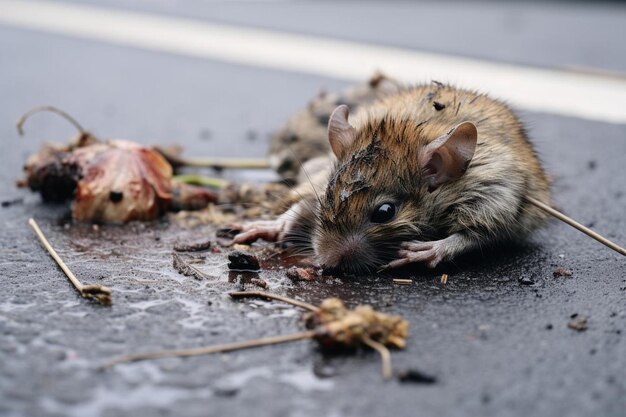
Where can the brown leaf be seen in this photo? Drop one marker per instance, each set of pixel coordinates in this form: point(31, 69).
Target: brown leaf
point(121, 181)
point(338, 325)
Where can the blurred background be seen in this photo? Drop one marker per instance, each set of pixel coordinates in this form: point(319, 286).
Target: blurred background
point(208, 73)
point(219, 78)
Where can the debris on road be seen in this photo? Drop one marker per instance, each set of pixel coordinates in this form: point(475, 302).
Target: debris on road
point(173, 156)
point(243, 261)
point(525, 280)
point(578, 323)
point(416, 376)
point(94, 291)
point(301, 274)
point(259, 282)
point(112, 181)
point(561, 272)
point(270, 198)
point(305, 134)
point(402, 281)
point(444, 279)
point(237, 203)
point(186, 269)
point(13, 202)
point(201, 245)
point(331, 324)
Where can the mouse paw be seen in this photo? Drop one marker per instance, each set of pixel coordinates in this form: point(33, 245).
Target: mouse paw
point(432, 253)
point(429, 253)
point(269, 230)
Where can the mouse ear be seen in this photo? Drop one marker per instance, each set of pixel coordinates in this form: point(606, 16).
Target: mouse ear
point(340, 133)
point(447, 157)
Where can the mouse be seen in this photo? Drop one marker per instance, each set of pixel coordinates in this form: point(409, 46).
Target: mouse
point(422, 175)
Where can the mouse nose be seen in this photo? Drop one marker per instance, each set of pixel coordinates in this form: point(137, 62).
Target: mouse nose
point(348, 255)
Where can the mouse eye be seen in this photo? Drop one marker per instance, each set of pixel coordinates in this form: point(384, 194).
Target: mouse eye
point(384, 213)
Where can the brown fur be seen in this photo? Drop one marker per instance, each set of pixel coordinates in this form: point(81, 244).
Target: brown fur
point(486, 204)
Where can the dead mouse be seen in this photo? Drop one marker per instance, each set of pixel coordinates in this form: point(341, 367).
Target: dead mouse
point(422, 175)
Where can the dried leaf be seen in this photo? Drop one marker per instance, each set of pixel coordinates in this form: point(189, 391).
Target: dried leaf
point(111, 182)
point(338, 325)
point(121, 181)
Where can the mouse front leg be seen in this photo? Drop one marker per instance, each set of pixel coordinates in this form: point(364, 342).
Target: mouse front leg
point(269, 230)
point(432, 253)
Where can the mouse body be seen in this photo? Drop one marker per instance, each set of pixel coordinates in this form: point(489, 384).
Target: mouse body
point(422, 175)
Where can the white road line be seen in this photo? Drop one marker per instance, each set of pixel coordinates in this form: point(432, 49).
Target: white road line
point(551, 91)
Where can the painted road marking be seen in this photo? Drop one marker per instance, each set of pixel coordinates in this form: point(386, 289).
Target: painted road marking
point(565, 93)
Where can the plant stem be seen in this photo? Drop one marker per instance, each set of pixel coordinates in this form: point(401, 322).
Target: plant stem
point(617, 248)
point(226, 163)
point(212, 349)
point(384, 355)
point(214, 163)
point(20, 122)
point(195, 179)
point(270, 296)
point(95, 291)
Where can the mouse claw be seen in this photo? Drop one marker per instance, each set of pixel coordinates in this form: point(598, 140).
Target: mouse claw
point(269, 230)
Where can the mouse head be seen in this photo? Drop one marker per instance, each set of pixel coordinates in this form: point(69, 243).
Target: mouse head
point(382, 189)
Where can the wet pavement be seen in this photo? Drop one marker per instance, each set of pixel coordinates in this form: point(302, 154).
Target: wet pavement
point(496, 336)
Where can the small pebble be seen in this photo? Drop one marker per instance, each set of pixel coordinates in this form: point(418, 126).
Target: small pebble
point(259, 282)
point(578, 323)
point(525, 281)
point(243, 261)
point(415, 376)
point(9, 203)
point(562, 272)
point(193, 246)
point(301, 274)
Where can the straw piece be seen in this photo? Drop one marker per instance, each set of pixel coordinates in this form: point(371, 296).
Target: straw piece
point(577, 225)
point(270, 296)
point(211, 349)
point(95, 291)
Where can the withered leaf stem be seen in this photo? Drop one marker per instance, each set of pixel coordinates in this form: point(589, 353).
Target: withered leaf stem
point(274, 340)
point(20, 122)
point(94, 291)
point(332, 323)
point(270, 296)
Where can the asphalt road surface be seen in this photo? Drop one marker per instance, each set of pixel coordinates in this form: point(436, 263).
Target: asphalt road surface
point(496, 346)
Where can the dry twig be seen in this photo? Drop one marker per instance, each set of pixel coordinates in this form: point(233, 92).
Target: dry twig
point(331, 324)
point(227, 347)
point(95, 291)
point(606, 242)
point(270, 296)
point(213, 163)
point(187, 269)
point(20, 122)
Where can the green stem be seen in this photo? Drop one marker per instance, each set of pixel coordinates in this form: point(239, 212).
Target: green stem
point(226, 163)
point(195, 179)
